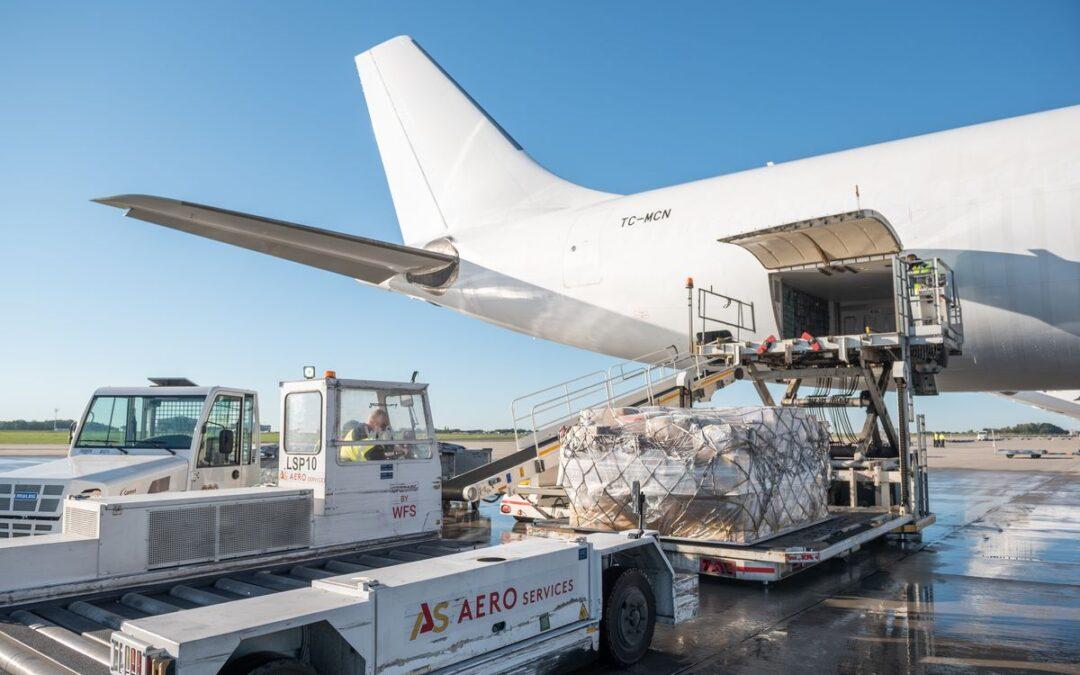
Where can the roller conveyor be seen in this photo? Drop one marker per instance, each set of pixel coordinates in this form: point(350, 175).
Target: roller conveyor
point(76, 630)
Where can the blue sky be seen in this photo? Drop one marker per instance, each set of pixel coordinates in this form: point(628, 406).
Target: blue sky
point(257, 107)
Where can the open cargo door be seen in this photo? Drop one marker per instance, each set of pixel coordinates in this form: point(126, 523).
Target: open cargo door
point(830, 240)
point(830, 275)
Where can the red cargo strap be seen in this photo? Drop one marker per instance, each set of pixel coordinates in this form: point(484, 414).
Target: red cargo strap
point(769, 342)
point(815, 346)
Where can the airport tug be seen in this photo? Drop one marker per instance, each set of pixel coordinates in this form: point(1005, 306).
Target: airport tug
point(339, 569)
point(171, 436)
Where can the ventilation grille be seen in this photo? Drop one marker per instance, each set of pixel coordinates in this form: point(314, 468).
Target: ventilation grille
point(81, 522)
point(228, 530)
point(256, 527)
point(182, 535)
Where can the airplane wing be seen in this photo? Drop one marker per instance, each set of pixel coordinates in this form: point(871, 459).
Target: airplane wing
point(357, 257)
point(1065, 402)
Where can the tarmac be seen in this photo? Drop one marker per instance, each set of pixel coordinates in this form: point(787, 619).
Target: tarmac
point(994, 585)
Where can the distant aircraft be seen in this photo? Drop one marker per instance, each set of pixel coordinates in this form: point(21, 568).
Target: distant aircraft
point(490, 233)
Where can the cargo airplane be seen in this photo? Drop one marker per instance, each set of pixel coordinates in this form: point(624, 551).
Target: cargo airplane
point(796, 245)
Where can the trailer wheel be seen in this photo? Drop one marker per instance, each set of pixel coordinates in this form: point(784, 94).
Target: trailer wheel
point(265, 663)
point(629, 616)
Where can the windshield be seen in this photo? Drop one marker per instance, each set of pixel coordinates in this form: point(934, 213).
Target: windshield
point(379, 425)
point(141, 422)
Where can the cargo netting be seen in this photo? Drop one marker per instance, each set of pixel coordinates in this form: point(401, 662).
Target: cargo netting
point(735, 475)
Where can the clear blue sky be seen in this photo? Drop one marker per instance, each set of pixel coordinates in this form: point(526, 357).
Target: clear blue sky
point(257, 107)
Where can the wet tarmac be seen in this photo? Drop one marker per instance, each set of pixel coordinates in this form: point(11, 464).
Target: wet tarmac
point(994, 586)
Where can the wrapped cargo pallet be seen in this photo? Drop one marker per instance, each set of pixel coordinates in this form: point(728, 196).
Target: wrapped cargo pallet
point(736, 475)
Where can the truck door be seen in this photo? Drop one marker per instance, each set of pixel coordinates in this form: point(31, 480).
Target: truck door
point(250, 467)
point(217, 462)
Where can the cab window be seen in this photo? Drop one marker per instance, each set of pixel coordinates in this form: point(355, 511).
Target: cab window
point(381, 425)
point(248, 444)
point(222, 435)
point(303, 423)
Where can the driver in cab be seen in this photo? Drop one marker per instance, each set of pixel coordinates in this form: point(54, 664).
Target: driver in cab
point(377, 428)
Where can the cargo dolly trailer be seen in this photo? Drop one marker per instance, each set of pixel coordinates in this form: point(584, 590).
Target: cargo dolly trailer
point(339, 569)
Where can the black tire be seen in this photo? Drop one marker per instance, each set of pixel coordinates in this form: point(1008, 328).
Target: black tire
point(264, 663)
point(628, 618)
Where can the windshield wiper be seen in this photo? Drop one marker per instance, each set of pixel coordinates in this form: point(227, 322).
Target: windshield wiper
point(105, 444)
point(154, 443)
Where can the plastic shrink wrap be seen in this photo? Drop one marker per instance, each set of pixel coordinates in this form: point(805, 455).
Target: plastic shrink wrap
point(735, 475)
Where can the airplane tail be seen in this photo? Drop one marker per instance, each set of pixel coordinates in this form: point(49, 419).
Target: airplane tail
point(449, 164)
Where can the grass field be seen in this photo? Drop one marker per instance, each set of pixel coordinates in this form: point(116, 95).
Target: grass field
point(33, 437)
point(475, 437)
point(61, 437)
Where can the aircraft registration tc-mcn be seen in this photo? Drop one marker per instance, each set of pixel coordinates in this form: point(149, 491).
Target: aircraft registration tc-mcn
point(490, 233)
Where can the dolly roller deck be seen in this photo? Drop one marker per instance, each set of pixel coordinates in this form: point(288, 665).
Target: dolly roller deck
point(779, 557)
point(72, 634)
point(775, 558)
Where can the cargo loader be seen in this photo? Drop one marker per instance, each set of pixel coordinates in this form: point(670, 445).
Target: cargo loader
point(877, 474)
point(338, 569)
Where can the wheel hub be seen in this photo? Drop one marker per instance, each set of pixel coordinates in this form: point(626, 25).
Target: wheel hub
point(632, 617)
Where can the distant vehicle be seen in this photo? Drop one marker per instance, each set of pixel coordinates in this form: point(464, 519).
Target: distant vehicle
point(137, 440)
point(457, 459)
point(268, 451)
point(1030, 454)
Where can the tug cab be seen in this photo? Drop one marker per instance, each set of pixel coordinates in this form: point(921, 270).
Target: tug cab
point(213, 429)
point(370, 445)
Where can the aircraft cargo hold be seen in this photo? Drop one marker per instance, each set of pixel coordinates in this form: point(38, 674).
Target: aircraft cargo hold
point(736, 475)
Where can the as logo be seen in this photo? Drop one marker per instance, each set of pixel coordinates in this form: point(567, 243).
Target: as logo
point(429, 620)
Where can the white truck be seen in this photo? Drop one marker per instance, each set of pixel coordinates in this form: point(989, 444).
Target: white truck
point(339, 569)
point(140, 440)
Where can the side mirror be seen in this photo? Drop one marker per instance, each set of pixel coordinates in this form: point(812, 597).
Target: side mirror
point(71, 432)
point(225, 441)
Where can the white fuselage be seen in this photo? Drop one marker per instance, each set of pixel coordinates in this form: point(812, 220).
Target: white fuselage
point(998, 202)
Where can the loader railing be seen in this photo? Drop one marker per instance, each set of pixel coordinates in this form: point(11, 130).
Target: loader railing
point(538, 416)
